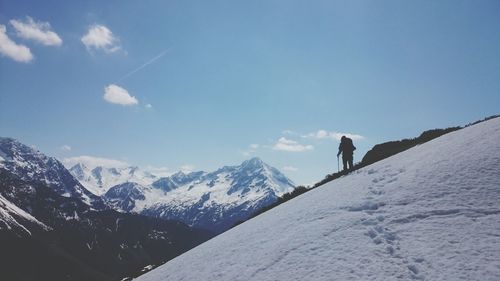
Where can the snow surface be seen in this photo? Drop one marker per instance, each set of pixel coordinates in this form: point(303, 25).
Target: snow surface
point(12, 217)
point(429, 213)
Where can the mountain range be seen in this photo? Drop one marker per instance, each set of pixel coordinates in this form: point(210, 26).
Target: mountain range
point(33, 167)
point(106, 223)
point(209, 200)
point(53, 228)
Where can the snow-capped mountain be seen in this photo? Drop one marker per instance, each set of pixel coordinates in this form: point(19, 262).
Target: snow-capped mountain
point(123, 196)
point(41, 230)
point(52, 228)
point(214, 201)
point(32, 166)
point(100, 179)
point(429, 213)
point(178, 179)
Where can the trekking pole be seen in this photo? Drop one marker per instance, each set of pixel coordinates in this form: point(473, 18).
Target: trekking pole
point(338, 164)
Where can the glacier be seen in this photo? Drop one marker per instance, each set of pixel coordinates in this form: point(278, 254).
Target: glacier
point(99, 179)
point(429, 213)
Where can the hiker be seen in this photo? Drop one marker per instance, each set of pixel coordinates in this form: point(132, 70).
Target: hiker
point(347, 149)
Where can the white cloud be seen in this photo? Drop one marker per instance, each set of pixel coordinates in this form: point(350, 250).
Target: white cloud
point(323, 134)
point(66, 147)
point(99, 37)
point(158, 171)
point(12, 50)
point(118, 95)
point(187, 168)
point(254, 146)
point(37, 31)
point(285, 144)
point(92, 162)
point(290, 169)
point(148, 106)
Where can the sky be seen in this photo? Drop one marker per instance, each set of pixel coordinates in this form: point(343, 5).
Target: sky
point(196, 85)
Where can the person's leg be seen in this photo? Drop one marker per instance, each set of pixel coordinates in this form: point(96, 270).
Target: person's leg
point(350, 163)
point(344, 161)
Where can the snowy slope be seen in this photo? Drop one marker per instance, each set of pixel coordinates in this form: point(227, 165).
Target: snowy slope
point(17, 220)
point(429, 213)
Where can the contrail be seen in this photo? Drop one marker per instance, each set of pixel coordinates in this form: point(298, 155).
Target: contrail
point(144, 65)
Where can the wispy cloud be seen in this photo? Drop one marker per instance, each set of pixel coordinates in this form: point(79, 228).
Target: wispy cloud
point(323, 134)
point(158, 171)
point(118, 95)
point(66, 148)
point(285, 144)
point(92, 162)
point(37, 31)
point(187, 168)
point(160, 55)
point(290, 169)
point(252, 148)
point(99, 37)
point(12, 50)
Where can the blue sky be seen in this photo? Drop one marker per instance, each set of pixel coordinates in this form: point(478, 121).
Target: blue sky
point(212, 83)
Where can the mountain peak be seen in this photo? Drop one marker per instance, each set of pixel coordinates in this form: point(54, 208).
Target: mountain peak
point(78, 166)
point(78, 170)
point(179, 174)
point(31, 166)
point(255, 162)
point(6, 140)
point(11, 148)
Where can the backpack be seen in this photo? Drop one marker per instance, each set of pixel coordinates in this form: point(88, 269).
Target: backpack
point(349, 146)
